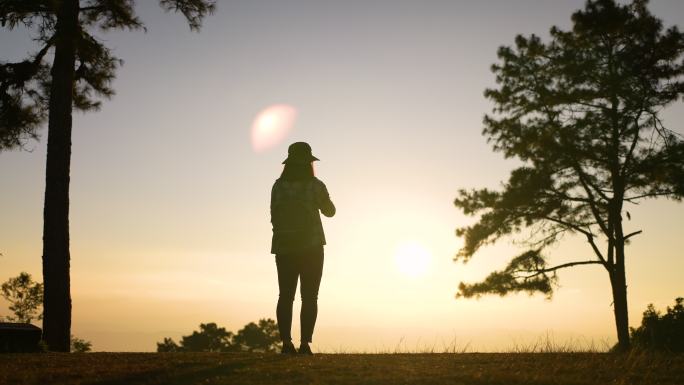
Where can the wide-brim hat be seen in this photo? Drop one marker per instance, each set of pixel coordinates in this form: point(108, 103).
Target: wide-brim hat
point(299, 152)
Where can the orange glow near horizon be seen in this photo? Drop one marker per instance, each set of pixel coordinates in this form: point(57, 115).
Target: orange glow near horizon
point(271, 126)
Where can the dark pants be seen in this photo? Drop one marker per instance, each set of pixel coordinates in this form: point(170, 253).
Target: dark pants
point(307, 266)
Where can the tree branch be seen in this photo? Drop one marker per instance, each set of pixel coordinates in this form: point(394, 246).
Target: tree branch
point(568, 225)
point(592, 202)
point(590, 239)
point(93, 8)
point(563, 266)
point(649, 195)
point(635, 140)
point(23, 71)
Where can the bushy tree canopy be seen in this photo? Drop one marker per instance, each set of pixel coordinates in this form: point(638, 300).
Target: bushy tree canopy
point(25, 298)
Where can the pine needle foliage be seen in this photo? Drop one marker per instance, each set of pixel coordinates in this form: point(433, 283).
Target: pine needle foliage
point(582, 114)
point(25, 84)
point(71, 69)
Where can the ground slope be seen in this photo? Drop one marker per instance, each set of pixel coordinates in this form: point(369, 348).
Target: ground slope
point(253, 368)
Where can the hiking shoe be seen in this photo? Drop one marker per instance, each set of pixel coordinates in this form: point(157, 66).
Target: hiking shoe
point(305, 350)
point(288, 348)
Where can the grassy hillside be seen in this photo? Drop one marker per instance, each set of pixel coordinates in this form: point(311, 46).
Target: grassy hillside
point(247, 368)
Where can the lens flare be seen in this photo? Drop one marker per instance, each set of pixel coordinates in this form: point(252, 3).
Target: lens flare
point(271, 126)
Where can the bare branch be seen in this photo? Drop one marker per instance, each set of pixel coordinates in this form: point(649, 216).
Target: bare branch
point(598, 253)
point(632, 147)
point(632, 234)
point(592, 200)
point(649, 195)
point(569, 225)
point(563, 266)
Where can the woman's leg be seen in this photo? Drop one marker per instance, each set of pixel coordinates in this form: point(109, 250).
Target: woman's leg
point(311, 272)
point(287, 284)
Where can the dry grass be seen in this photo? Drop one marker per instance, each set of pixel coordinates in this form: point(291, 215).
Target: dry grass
point(253, 368)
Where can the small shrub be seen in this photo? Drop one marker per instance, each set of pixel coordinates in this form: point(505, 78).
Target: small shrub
point(168, 346)
point(79, 345)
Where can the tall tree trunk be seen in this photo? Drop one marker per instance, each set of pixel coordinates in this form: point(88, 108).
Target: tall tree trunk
point(618, 280)
point(618, 283)
point(57, 299)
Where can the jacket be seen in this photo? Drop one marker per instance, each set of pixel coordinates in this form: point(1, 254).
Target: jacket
point(314, 195)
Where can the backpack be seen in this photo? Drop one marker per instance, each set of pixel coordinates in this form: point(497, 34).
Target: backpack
point(292, 214)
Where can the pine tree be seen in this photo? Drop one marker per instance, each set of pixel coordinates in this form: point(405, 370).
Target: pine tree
point(80, 75)
point(582, 114)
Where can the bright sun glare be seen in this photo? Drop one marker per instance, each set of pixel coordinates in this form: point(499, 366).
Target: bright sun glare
point(271, 126)
point(412, 259)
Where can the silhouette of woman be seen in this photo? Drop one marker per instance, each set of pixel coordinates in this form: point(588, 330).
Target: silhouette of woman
point(298, 239)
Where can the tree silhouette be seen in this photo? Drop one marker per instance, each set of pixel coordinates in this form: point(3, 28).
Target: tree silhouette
point(82, 71)
point(80, 345)
point(261, 337)
point(25, 297)
point(168, 346)
point(210, 338)
point(581, 112)
point(661, 331)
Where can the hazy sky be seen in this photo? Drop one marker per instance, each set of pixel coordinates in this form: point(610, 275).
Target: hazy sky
point(169, 203)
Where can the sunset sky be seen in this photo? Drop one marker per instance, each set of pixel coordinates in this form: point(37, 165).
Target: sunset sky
point(170, 195)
